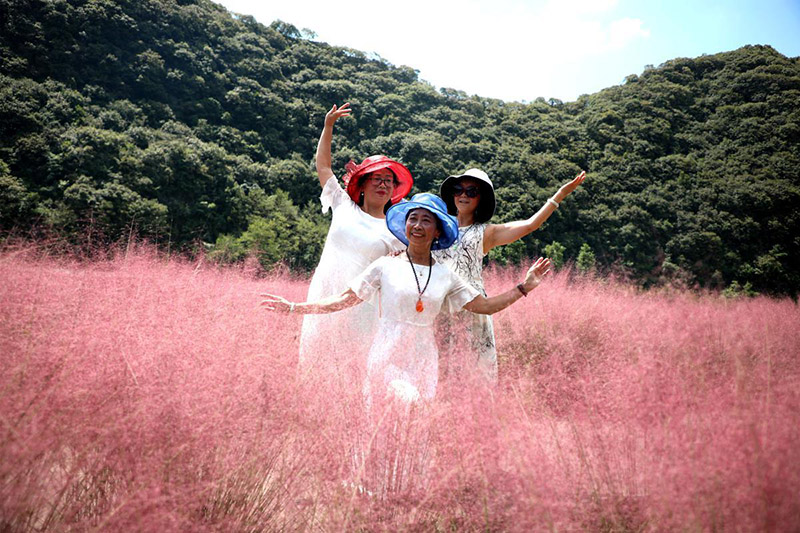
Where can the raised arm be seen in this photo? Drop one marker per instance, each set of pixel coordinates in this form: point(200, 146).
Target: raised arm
point(489, 306)
point(500, 234)
point(331, 304)
point(324, 170)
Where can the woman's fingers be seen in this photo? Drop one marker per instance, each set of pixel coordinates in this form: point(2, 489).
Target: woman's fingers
point(541, 267)
point(572, 185)
point(273, 302)
point(344, 109)
point(336, 112)
point(269, 295)
point(545, 266)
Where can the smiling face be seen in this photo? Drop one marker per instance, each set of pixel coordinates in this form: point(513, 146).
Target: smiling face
point(379, 186)
point(462, 192)
point(422, 227)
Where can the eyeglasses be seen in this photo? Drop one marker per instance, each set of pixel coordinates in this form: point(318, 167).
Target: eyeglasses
point(471, 192)
point(386, 182)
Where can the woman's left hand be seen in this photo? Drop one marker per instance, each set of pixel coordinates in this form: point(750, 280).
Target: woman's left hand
point(536, 273)
point(273, 302)
point(569, 187)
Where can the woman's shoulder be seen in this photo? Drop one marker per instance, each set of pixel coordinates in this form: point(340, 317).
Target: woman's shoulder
point(472, 236)
point(444, 268)
point(383, 262)
point(334, 196)
point(453, 279)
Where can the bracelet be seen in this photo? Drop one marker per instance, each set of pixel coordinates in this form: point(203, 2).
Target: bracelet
point(291, 307)
point(521, 289)
point(551, 201)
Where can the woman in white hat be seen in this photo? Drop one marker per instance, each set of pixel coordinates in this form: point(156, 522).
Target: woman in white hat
point(357, 236)
point(470, 197)
point(411, 288)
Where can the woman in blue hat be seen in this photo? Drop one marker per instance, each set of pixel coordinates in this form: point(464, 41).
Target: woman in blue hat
point(410, 290)
point(470, 197)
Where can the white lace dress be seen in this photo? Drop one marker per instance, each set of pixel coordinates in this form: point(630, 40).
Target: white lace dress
point(403, 357)
point(332, 345)
point(465, 331)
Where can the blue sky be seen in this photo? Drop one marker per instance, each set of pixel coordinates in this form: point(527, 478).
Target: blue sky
point(524, 49)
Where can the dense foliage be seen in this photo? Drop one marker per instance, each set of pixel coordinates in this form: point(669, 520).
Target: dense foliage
point(186, 124)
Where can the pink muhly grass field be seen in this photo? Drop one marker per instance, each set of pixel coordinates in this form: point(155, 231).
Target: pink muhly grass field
point(141, 392)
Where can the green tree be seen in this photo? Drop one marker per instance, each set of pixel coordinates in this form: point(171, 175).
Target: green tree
point(586, 259)
point(112, 112)
point(15, 200)
point(555, 251)
point(279, 233)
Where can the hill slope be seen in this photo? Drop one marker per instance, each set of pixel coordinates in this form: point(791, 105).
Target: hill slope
point(188, 123)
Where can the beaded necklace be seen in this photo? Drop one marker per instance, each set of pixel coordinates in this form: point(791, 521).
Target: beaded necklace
point(421, 307)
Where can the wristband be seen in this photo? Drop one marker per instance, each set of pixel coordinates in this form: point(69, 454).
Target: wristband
point(551, 201)
point(521, 289)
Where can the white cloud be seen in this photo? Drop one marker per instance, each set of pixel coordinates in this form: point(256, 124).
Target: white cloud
point(509, 49)
point(578, 8)
point(625, 31)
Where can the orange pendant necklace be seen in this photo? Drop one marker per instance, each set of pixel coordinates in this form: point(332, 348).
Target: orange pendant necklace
point(421, 307)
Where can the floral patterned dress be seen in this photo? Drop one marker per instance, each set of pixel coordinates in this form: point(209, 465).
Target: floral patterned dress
point(466, 340)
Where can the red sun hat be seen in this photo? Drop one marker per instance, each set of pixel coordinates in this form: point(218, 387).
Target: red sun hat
point(371, 164)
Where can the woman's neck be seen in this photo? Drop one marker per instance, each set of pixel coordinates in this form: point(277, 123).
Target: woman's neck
point(420, 255)
point(373, 210)
point(465, 219)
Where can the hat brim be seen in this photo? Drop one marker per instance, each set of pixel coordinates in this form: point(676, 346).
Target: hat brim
point(396, 222)
point(403, 175)
point(486, 206)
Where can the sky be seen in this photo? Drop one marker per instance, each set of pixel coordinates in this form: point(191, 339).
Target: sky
point(518, 50)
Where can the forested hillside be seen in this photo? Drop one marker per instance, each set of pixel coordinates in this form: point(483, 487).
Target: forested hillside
point(185, 124)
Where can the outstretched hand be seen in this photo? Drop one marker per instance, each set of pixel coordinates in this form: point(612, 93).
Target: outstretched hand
point(569, 187)
point(336, 113)
point(537, 272)
point(273, 302)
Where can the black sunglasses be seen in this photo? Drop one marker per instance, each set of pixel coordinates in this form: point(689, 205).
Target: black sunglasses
point(471, 192)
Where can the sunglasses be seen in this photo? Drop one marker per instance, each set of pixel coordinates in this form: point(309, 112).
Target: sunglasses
point(471, 192)
point(386, 182)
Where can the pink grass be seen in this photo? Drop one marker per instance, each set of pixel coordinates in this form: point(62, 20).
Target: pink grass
point(147, 393)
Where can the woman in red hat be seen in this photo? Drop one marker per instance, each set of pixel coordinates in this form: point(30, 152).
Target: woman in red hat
point(357, 236)
point(470, 197)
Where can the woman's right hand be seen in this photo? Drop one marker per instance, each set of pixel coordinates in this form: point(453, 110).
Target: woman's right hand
point(273, 302)
point(336, 113)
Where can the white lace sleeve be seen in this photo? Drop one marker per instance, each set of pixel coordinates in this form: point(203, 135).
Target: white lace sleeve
point(459, 295)
point(332, 195)
point(367, 284)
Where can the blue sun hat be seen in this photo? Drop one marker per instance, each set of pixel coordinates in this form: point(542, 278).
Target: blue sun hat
point(397, 214)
